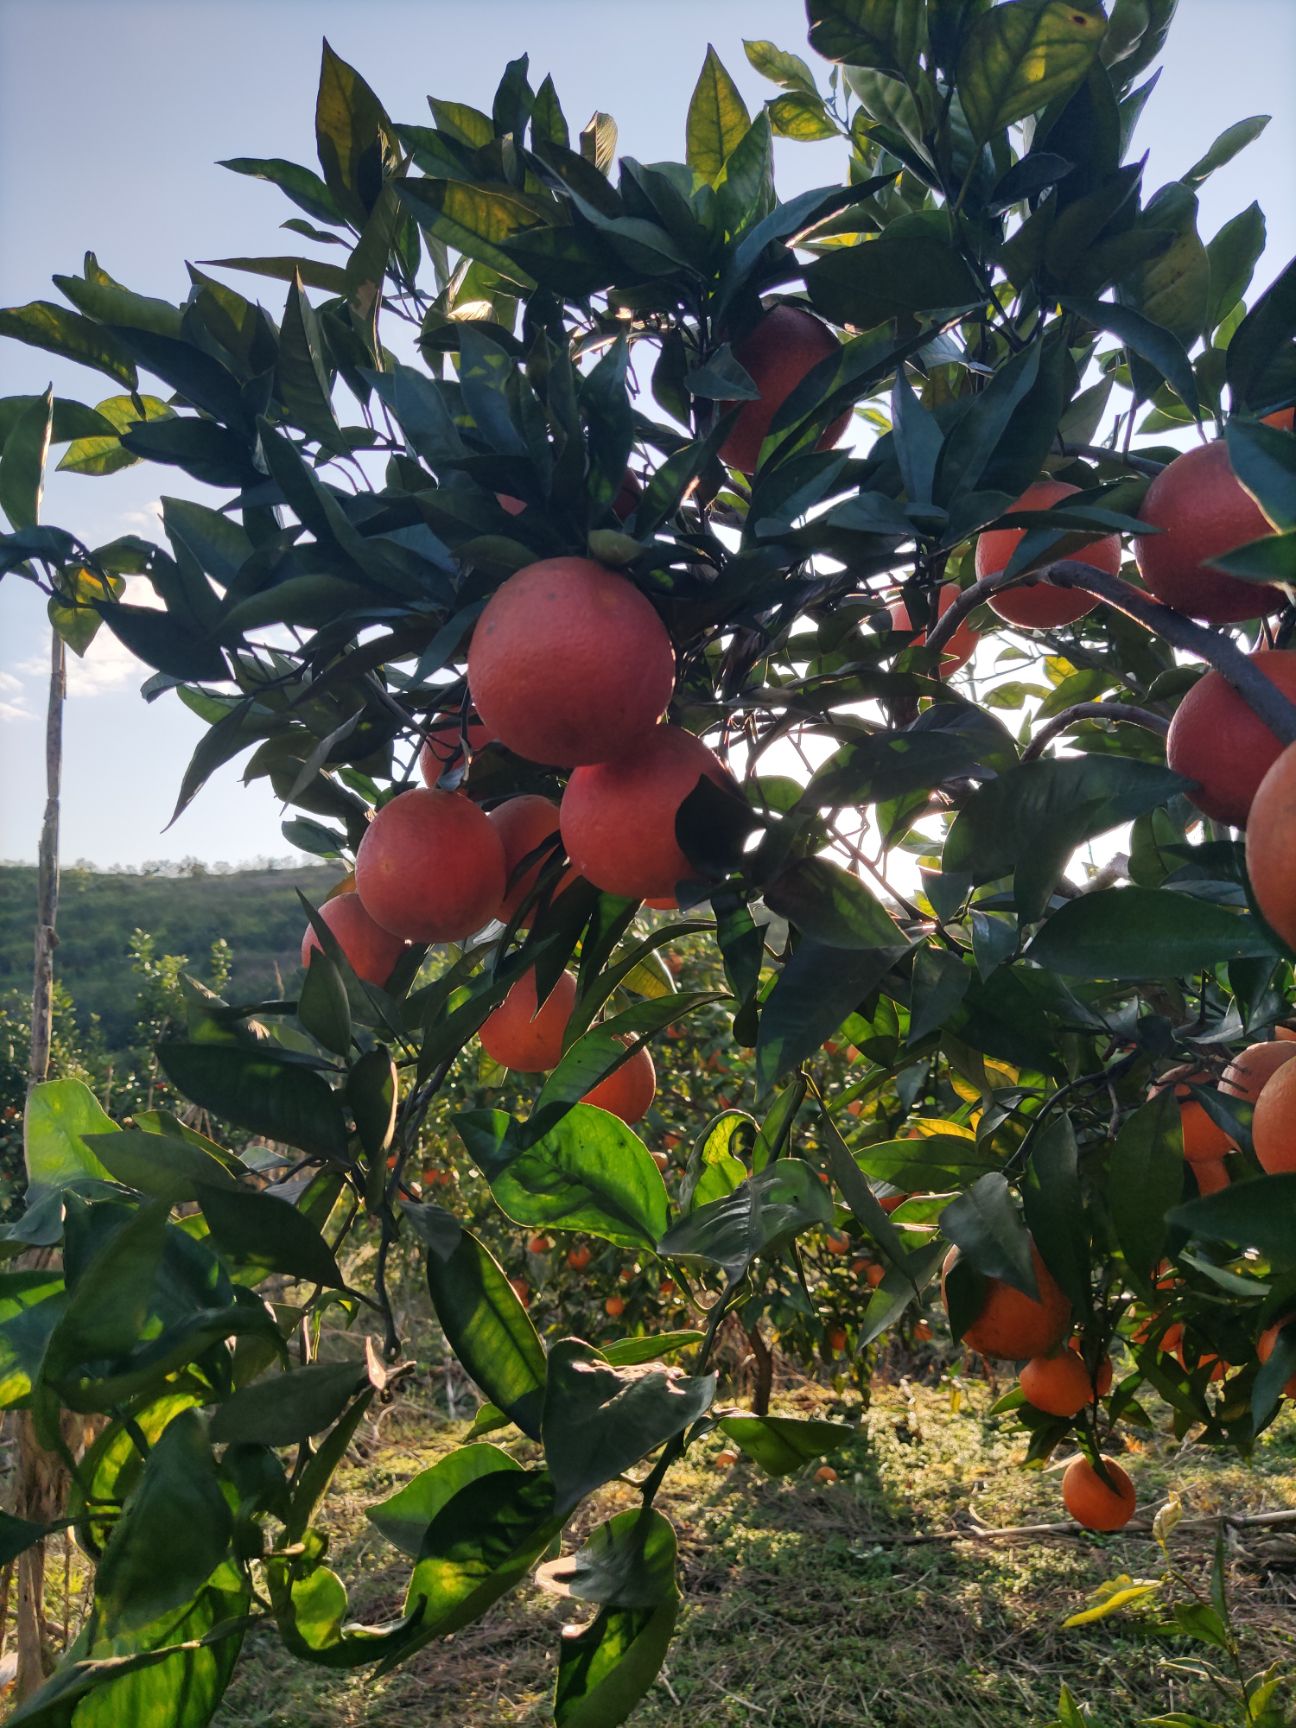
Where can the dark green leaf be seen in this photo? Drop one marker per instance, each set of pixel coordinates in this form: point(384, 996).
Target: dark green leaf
point(405, 1517)
point(22, 462)
point(1132, 933)
point(988, 1230)
point(258, 1090)
point(599, 1420)
point(352, 135)
point(1149, 341)
point(323, 1006)
point(287, 1408)
point(939, 983)
point(1259, 1214)
point(1259, 343)
point(875, 33)
point(1146, 1179)
point(911, 267)
point(161, 1165)
point(1054, 1208)
point(145, 1571)
point(814, 993)
point(266, 1232)
point(760, 1214)
point(831, 905)
point(372, 1094)
point(1264, 460)
point(488, 1329)
point(303, 185)
point(605, 1669)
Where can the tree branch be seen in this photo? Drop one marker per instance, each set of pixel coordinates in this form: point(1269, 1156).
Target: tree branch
point(1261, 696)
point(1100, 452)
point(1094, 711)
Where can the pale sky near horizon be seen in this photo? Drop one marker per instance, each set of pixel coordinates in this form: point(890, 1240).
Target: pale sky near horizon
point(156, 91)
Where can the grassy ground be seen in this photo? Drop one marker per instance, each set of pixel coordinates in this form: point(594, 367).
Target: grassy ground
point(799, 1614)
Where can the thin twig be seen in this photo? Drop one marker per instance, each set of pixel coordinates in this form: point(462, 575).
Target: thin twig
point(1094, 711)
point(1141, 1528)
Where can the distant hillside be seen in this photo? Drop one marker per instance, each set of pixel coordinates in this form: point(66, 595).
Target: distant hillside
point(256, 911)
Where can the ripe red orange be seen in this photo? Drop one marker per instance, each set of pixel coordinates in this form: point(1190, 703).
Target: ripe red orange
point(778, 351)
point(430, 867)
point(614, 1306)
point(836, 1243)
point(1249, 1071)
point(1091, 1502)
point(1273, 1126)
point(1217, 739)
point(1271, 846)
point(1203, 512)
point(569, 663)
point(522, 1291)
point(443, 746)
point(579, 1257)
point(836, 1339)
point(618, 818)
point(1058, 1385)
point(370, 950)
point(1042, 606)
point(662, 1161)
point(962, 644)
point(523, 824)
point(519, 1035)
point(1265, 1349)
point(1011, 1324)
point(1284, 419)
point(825, 1474)
point(628, 1091)
point(1210, 1175)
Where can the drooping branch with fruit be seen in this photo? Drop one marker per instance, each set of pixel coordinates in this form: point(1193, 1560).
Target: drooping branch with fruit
point(610, 555)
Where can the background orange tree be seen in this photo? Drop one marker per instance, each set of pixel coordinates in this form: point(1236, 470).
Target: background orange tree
point(522, 348)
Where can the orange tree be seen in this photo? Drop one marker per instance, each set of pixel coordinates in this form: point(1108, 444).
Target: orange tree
point(556, 449)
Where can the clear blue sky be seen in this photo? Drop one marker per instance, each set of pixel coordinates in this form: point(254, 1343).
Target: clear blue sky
point(112, 116)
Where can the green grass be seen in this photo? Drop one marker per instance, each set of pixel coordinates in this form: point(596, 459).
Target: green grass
point(800, 1614)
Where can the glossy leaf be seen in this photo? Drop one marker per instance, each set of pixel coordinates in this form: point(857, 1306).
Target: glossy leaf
point(1259, 1214)
point(814, 993)
point(1146, 1179)
point(781, 1444)
point(1132, 933)
point(404, 1517)
point(60, 1115)
point(488, 1328)
point(22, 462)
point(1020, 57)
point(987, 1229)
point(263, 1231)
point(284, 1409)
point(717, 119)
point(41, 324)
point(831, 905)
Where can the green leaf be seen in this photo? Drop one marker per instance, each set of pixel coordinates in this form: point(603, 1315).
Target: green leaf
point(760, 1215)
point(1259, 344)
point(352, 137)
point(1149, 341)
point(22, 462)
point(938, 985)
point(1146, 1178)
point(831, 905)
point(260, 1090)
point(315, 274)
point(103, 452)
point(800, 114)
point(814, 993)
point(605, 1669)
point(372, 1095)
point(627, 1351)
point(208, 452)
point(1029, 821)
point(404, 1517)
point(303, 185)
point(1264, 460)
point(1271, 559)
point(1233, 254)
point(221, 546)
point(31, 1305)
point(717, 119)
point(1053, 1203)
point(781, 1444)
point(161, 1165)
point(599, 1420)
point(323, 1006)
point(911, 267)
point(268, 1233)
point(17, 1535)
point(780, 67)
point(588, 1172)
point(1133, 933)
point(488, 1328)
point(301, 373)
point(60, 1115)
point(1232, 139)
point(481, 1543)
point(145, 1571)
point(1018, 58)
point(108, 302)
point(988, 1230)
point(284, 1409)
point(875, 33)
point(41, 324)
point(1259, 1214)
point(1172, 287)
point(476, 220)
